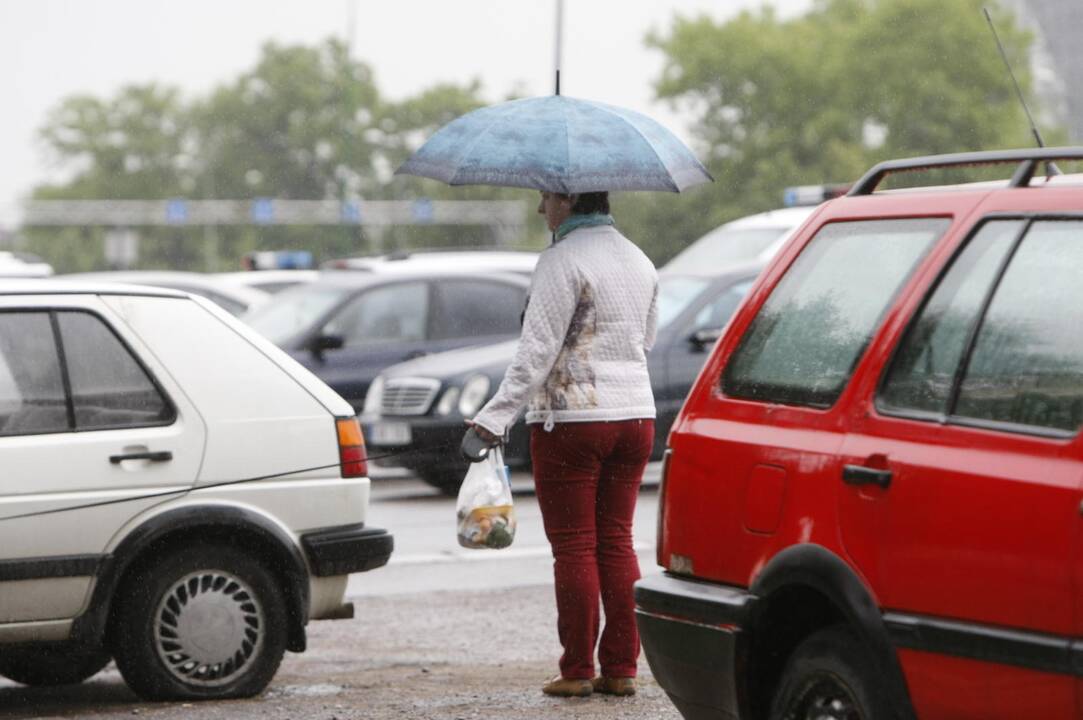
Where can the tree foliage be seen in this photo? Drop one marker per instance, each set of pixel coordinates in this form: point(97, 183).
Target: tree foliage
point(772, 101)
point(820, 98)
point(305, 123)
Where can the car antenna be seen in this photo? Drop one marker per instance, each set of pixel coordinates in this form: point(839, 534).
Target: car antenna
point(1050, 167)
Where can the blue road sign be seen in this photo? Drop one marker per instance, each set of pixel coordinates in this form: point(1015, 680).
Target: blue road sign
point(423, 210)
point(263, 211)
point(351, 212)
point(176, 211)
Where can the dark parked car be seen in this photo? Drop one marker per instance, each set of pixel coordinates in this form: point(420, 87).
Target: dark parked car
point(348, 327)
point(422, 403)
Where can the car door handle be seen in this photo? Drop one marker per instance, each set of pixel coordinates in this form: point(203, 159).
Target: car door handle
point(160, 456)
point(861, 475)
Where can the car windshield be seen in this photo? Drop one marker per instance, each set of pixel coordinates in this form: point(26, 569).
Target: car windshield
point(675, 294)
point(723, 247)
point(294, 310)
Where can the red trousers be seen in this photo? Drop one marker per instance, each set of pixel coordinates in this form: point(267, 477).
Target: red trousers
point(587, 479)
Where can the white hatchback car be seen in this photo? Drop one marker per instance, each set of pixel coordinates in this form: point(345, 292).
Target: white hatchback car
point(175, 493)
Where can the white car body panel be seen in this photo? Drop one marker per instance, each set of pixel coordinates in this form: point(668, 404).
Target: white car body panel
point(51, 472)
point(785, 220)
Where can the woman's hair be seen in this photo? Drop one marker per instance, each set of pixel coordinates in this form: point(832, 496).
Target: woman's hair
point(591, 202)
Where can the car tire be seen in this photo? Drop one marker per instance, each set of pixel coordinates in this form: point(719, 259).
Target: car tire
point(51, 666)
point(830, 676)
point(446, 481)
point(207, 622)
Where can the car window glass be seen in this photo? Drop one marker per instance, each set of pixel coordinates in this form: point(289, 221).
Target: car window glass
point(294, 311)
point(109, 388)
point(806, 339)
point(387, 313)
point(922, 374)
point(476, 309)
point(675, 293)
point(1026, 367)
point(722, 247)
point(715, 314)
point(31, 387)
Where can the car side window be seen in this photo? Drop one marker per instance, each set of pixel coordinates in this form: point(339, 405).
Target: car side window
point(1026, 366)
point(109, 387)
point(477, 308)
point(922, 373)
point(32, 398)
point(808, 336)
point(998, 344)
point(715, 314)
point(388, 313)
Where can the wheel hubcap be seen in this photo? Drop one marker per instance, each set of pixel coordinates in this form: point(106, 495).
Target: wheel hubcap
point(826, 699)
point(207, 628)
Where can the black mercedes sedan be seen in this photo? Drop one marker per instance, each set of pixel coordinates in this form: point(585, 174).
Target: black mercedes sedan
point(420, 405)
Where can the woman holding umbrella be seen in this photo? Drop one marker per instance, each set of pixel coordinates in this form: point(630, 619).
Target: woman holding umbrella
point(581, 366)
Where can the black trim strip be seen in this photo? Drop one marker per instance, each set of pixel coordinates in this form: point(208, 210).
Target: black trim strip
point(65, 376)
point(692, 601)
point(975, 329)
point(1028, 159)
point(58, 566)
point(1020, 648)
point(347, 549)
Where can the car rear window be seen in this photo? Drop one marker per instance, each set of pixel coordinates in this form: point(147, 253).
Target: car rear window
point(1026, 367)
point(472, 308)
point(806, 339)
point(998, 341)
point(32, 398)
point(724, 247)
point(109, 388)
point(923, 372)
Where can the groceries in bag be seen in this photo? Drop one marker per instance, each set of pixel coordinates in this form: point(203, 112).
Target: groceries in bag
point(485, 510)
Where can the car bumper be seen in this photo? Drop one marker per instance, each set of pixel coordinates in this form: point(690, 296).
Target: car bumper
point(347, 549)
point(692, 636)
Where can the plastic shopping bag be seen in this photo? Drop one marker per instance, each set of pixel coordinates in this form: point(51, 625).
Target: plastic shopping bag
point(485, 510)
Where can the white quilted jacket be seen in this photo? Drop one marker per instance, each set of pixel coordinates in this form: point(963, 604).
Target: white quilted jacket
point(589, 322)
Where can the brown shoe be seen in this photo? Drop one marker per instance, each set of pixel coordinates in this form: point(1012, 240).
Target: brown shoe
point(568, 687)
point(614, 686)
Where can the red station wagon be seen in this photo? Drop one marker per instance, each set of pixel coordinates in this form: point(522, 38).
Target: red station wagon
point(871, 506)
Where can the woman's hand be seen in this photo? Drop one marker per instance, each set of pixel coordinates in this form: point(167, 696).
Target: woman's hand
point(484, 434)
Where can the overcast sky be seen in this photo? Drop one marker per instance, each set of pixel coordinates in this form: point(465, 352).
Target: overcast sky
point(53, 48)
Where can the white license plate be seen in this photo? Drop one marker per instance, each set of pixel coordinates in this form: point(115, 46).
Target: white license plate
point(389, 433)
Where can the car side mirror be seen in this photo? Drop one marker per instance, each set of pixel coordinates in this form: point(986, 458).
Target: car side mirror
point(704, 337)
point(322, 343)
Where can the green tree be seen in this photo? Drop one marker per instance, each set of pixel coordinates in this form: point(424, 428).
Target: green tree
point(132, 146)
point(306, 123)
point(821, 97)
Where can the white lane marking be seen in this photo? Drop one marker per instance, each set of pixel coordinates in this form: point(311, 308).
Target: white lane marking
point(481, 556)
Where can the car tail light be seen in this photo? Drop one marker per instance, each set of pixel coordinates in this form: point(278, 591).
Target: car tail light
point(659, 550)
point(351, 448)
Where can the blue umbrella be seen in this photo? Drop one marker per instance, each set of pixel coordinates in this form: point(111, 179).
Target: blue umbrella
point(558, 144)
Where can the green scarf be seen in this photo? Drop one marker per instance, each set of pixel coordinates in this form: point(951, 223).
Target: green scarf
point(575, 222)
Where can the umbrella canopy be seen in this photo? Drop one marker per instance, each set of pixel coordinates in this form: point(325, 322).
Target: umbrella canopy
point(559, 144)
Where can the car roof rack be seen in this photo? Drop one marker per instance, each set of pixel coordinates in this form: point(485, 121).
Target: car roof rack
point(1028, 160)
